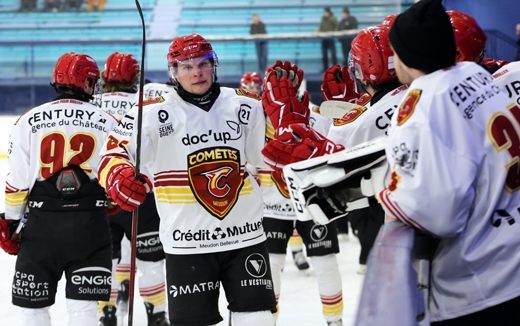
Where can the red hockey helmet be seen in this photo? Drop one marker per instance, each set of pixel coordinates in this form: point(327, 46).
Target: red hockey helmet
point(73, 70)
point(371, 57)
point(185, 48)
point(251, 82)
point(469, 37)
point(120, 68)
point(388, 21)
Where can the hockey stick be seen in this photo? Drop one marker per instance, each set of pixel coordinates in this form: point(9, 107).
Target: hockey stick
point(137, 173)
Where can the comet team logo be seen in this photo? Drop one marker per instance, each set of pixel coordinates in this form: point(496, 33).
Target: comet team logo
point(214, 175)
point(406, 109)
point(350, 116)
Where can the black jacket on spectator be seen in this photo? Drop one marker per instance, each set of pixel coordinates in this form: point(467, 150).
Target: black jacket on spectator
point(348, 23)
point(258, 28)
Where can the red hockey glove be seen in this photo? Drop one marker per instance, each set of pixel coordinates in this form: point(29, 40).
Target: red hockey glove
point(280, 69)
point(281, 104)
point(338, 85)
point(7, 229)
point(304, 144)
point(125, 189)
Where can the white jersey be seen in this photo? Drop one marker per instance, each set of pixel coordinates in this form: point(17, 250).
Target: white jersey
point(508, 79)
point(454, 148)
point(117, 103)
point(152, 90)
point(206, 200)
point(366, 122)
point(48, 138)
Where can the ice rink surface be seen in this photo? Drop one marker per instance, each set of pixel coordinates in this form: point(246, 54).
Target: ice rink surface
point(299, 300)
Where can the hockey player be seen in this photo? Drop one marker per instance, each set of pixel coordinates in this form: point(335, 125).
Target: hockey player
point(195, 143)
point(280, 224)
point(456, 137)
point(251, 82)
point(371, 64)
point(52, 192)
point(120, 79)
point(471, 41)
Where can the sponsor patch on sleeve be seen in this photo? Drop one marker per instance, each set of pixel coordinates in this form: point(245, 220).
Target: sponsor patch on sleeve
point(408, 106)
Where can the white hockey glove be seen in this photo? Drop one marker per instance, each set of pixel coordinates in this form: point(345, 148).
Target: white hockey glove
point(326, 188)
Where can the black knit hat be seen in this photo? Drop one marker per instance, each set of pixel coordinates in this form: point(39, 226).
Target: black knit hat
point(423, 38)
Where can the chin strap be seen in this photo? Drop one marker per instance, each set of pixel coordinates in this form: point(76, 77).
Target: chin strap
point(204, 101)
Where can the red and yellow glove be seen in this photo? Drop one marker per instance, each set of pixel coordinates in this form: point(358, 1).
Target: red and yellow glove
point(303, 143)
point(127, 191)
point(337, 85)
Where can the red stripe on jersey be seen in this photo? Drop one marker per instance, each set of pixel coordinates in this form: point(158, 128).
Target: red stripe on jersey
point(396, 211)
point(170, 173)
point(11, 189)
point(177, 178)
point(171, 183)
point(171, 176)
point(105, 159)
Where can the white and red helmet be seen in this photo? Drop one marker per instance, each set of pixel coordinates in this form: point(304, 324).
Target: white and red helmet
point(121, 68)
point(74, 70)
point(251, 82)
point(186, 48)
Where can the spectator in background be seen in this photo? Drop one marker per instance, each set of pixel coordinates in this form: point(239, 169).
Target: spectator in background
point(257, 27)
point(51, 5)
point(73, 5)
point(518, 42)
point(328, 24)
point(95, 5)
point(347, 22)
point(27, 5)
